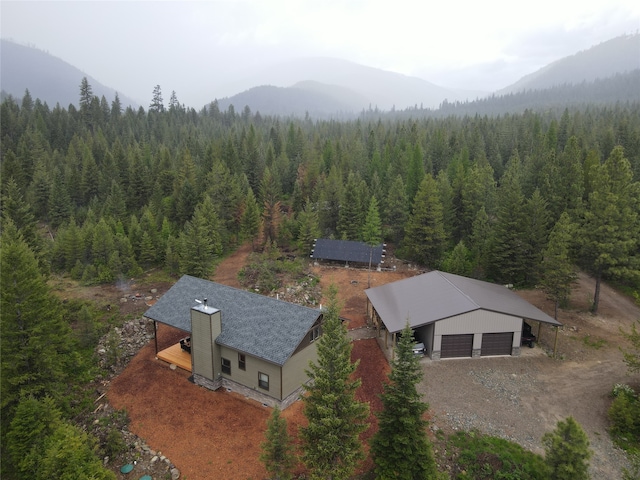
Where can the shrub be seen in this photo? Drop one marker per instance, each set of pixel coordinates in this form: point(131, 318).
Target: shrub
point(624, 414)
point(485, 457)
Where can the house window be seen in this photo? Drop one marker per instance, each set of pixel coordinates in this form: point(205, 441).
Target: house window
point(263, 380)
point(314, 333)
point(242, 361)
point(226, 366)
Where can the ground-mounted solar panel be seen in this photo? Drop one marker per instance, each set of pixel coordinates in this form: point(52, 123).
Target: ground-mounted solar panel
point(347, 251)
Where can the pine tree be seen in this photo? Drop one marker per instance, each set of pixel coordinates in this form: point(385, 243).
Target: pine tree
point(35, 341)
point(567, 451)
point(351, 212)
point(536, 235)
point(250, 218)
point(508, 254)
point(86, 97)
point(372, 230)
point(425, 236)
point(278, 450)
point(416, 171)
point(611, 224)
point(397, 210)
point(329, 201)
point(69, 453)
point(14, 207)
point(330, 442)
point(558, 272)
point(200, 241)
point(308, 227)
point(34, 421)
point(459, 261)
point(157, 103)
point(270, 196)
point(60, 206)
point(400, 448)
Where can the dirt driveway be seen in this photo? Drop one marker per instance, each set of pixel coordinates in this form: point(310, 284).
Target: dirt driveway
point(218, 434)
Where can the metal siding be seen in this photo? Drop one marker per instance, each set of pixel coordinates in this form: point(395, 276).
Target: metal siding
point(478, 321)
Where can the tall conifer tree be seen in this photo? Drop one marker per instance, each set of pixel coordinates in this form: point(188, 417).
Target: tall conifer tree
point(400, 447)
point(425, 236)
point(558, 272)
point(611, 225)
point(331, 440)
point(277, 450)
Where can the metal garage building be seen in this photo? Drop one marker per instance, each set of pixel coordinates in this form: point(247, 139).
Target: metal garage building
point(454, 316)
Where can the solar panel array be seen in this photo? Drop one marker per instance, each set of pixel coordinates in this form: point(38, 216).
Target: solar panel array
point(347, 251)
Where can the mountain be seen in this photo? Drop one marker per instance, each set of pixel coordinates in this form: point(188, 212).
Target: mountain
point(316, 99)
point(48, 78)
point(616, 56)
point(371, 87)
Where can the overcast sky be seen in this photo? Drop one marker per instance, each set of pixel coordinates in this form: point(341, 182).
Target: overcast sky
point(199, 48)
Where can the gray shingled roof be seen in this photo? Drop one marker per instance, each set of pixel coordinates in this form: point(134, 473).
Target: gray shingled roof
point(254, 324)
point(434, 296)
point(347, 251)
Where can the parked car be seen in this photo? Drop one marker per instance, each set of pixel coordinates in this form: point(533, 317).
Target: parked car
point(419, 350)
point(527, 338)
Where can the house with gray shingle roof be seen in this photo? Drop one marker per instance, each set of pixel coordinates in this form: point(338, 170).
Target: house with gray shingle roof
point(250, 343)
point(454, 316)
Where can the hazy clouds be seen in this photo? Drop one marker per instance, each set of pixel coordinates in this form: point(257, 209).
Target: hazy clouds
point(198, 49)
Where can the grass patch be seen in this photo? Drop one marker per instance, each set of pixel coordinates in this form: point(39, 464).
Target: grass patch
point(593, 342)
point(477, 457)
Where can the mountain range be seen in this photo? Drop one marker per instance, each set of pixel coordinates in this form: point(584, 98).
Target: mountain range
point(320, 87)
point(48, 78)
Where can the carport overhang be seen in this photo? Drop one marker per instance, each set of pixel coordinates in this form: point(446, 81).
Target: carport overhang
point(375, 320)
point(182, 327)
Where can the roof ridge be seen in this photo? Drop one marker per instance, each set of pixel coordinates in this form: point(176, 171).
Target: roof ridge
point(442, 275)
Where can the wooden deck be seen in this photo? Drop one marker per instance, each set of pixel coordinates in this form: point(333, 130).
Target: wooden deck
point(174, 354)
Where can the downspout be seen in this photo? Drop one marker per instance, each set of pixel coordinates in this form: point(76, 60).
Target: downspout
point(155, 334)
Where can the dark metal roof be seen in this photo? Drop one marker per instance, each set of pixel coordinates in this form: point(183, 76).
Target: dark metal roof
point(254, 324)
point(436, 295)
point(347, 251)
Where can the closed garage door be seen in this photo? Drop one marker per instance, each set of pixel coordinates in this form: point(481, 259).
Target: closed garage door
point(496, 343)
point(456, 346)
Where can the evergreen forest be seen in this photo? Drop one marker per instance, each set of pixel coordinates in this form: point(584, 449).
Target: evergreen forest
point(101, 192)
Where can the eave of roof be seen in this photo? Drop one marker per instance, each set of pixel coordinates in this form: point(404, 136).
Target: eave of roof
point(254, 324)
point(436, 295)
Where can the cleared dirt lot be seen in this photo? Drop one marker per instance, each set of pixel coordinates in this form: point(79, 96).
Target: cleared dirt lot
point(218, 434)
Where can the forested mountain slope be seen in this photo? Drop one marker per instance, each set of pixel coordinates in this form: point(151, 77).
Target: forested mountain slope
point(616, 56)
point(48, 78)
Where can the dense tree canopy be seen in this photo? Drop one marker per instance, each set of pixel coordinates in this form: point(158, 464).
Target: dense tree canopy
point(496, 183)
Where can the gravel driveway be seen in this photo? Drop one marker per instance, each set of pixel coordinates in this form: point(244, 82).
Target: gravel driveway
point(520, 399)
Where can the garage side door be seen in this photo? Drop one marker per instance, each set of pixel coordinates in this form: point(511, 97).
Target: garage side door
point(496, 343)
point(456, 346)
